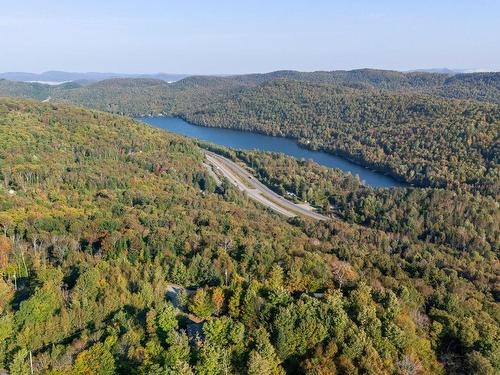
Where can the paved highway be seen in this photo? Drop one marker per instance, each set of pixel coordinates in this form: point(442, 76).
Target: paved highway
point(256, 190)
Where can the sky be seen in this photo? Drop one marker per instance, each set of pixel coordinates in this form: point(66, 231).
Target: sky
point(240, 36)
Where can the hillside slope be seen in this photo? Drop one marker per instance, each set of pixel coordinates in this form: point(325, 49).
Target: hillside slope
point(103, 218)
point(404, 124)
point(475, 86)
point(420, 138)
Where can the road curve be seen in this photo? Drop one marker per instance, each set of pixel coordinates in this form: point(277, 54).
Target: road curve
point(256, 190)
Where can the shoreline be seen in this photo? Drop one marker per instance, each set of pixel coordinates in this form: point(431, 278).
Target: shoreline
point(397, 180)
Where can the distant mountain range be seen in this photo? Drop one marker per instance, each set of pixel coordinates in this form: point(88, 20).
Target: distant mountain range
point(452, 71)
point(145, 95)
point(58, 76)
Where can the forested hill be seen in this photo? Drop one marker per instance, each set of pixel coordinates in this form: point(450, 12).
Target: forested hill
point(476, 86)
point(101, 216)
point(149, 96)
point(400, 123)
point(423, 139)
point(33, 90)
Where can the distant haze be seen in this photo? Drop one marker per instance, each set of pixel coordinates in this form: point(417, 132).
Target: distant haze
point(57, 77)
point(51, 77)
point(229, 37)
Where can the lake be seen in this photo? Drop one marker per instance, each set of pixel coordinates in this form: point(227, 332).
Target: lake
point(253, 141)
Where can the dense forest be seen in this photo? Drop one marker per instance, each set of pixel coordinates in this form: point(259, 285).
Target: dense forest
point(120, 254)
point(428, 129)
point(476, 86)
point(419, 138)
point(471, 223)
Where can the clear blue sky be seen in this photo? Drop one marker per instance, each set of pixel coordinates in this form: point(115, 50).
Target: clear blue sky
point(240, 36)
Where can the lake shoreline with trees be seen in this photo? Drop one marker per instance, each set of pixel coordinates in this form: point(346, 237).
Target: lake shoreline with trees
point(398, 182)
point(427, 129)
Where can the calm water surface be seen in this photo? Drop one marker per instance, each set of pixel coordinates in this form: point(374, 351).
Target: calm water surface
point(253, 141)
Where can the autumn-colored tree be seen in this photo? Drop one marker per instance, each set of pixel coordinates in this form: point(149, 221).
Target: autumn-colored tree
point(276, 277)
point(151, 322)
point(95, 360)
point(342, 272)
point(5, 249)
point(217, 300)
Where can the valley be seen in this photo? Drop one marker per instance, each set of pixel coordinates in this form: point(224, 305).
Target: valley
point(383, 120)
point(246, 140)
point(101, 214)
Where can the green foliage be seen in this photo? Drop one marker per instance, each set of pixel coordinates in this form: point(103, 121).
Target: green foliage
point(178, 354)
point(167, 321)
point(95, 360)
point(405, 124)
point(224, 332)
point(461, 220)
point(201, 304)
point(209, 361)
point(263, 359)
point(20, 363)
point(421, 139)
point(107, 215)
point(235, 300)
